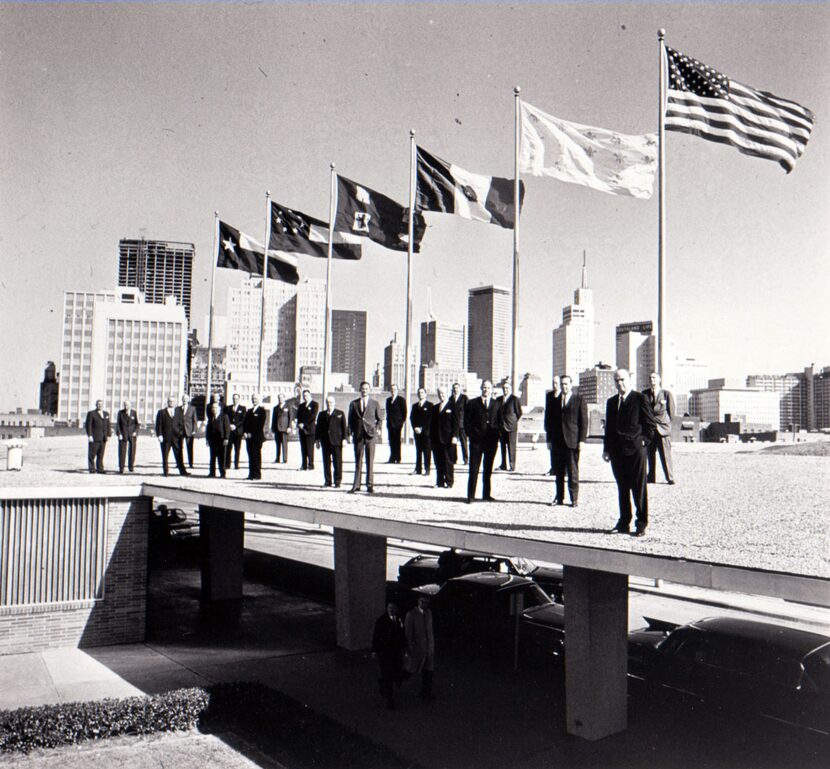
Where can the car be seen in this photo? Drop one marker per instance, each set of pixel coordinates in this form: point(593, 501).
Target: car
point(428, 569)
point(744, 665)
point(172, 534)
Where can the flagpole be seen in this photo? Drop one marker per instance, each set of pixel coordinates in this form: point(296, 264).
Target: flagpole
point(516, 205)
point(332, 213)
point(409, 251)
point(661, 194)
point(210, 322)
point(266, 241)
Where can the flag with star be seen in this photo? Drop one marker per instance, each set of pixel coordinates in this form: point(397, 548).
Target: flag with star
point(294, 232)
point(706, 103)
point(449, 189)
point(238, 251)
point(609, 161)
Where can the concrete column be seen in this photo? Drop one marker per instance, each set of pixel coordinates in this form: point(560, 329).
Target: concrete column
point(222, 534)
point(359, 586)
point(596, 652)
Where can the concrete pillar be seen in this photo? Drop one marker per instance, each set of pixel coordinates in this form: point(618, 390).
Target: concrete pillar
point(222, 534)
point(596, 652)
point(359, 586)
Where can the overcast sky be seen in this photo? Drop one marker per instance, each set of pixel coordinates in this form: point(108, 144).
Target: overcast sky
point(121, 119)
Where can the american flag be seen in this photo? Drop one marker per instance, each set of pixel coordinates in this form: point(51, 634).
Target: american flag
point(705, 102)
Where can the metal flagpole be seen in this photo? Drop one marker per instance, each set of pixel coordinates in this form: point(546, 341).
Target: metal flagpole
point(516, 201)
point(409, 251)
point(327, 332)
point(266, 241)
point(210, 322)
point(661, 194)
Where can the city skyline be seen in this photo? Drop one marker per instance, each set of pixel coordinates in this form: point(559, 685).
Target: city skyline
point(157, 141)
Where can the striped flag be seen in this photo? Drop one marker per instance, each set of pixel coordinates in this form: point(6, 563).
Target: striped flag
point(294, 232)
point(706, 103)
point(238, 251)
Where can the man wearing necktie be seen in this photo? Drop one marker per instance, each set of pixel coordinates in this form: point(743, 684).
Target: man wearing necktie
point(420, 420)
point(569, 431)
point(170, 431)
point(629, 426)
point(662, 404)
point(511, 413)
point(253, 428)
point(330, 432)
point(550, 403)
point(97, 427)
point(446, 420)
point(306, 425)
point(482, 420)
point(364, 425)
point(127, 431)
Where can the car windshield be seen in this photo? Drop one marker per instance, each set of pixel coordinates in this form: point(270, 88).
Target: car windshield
point(523, 566)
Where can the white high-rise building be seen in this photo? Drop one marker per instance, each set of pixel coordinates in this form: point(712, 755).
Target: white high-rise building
point(629, 338)
point(116, 347)
point(573, 341)
point(489, 332)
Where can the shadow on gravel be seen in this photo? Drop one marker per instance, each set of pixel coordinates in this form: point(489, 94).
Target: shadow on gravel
point(522, 526)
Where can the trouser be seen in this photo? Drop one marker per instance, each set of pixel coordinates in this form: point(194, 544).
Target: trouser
point(630, 474)
point(422, 449)
point(444, 455)
point(307, 451)
point(364, 446)
point(394, 444)
point(508, 449)
point(188, 442)
point(485, 450)
point(332, 460)
point(660, 444)
point(281, 439)
point(217, 457)
point(234, 447)
point(177, 455)
point(254, 448)
point(462, 441)
point(126, 453)
point(567, 462)
point(95, 456)
point(554, 451)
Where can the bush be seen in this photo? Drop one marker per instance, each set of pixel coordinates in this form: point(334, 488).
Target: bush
point(50, 726)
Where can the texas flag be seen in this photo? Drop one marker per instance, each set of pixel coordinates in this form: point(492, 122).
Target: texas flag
point(449, 189)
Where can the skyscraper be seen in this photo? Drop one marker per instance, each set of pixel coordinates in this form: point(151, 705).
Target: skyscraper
point(394, 357)
point(442, 345)
point(489, 340)
point(348, 344)
point(157, 268)
point(629, 338)
point(573, 341)
point(49, 391)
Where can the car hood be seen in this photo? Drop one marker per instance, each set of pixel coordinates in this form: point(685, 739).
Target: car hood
point(551, 615)
point(645, 638)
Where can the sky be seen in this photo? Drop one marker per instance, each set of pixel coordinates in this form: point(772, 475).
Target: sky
point(127, 119)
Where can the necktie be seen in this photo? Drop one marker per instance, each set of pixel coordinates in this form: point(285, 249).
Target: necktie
point(563, 400)
point(362, 405)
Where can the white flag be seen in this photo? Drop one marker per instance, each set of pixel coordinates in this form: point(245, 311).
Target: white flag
point(608, 161)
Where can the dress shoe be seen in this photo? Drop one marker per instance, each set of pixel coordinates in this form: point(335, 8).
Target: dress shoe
point(336, 485)
point(574, 504)
point(353, 489)
point(416, 472)
point(326, 485)
point(671, 482)
point(469, 500)
point(370, 489)
point(638, 533)
point(558, 502)
point(619, 529)
point(488, 498)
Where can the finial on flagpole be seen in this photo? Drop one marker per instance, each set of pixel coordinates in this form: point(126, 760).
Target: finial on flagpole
point(517, 90)
point(267, 193)
point(411, 133)
point(216, 214)
point(332, 166)
point(661, 33)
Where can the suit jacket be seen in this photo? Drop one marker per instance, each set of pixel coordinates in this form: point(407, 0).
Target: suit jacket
point(170, 428)
point(511, 413)
point(628, 426)
point(481, 424)
point(126, 424)
point(420, 416)
point(569, 424)
point(395, 412)
point(367, 424)
point(236, 416)
point(254, 422)
point(281, 418)
point(218, 430)
point(331, 431)
point(662, 405)
point(446, 422)
point(550, 399)
point(307, 416)
point(461, 406)
point(97, 426)
point(189, 421)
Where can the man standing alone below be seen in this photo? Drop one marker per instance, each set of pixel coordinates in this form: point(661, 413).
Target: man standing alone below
point(481, 422)
point(419, 418)
point(395, 418)
point(169, 431)
point(236, 416)
point(217, 433)
point(569, 420)
point(550, 400)
point(97, 428)
point(662, 404)
point(190, 425)
point(253, 427)
point(420, 644)
point(511, 413)
point(364, 425)
point(629, 425)
point(330, 432)
point(126, 428)
point(306, 425)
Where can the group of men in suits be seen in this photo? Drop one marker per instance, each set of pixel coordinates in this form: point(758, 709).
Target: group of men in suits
point(98, 429)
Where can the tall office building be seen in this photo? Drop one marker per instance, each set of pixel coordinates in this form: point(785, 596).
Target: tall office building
point(49, 390)
point(629, 337)
point(689, 374)
point(394, 365)
point(573, 341)
point(157, 268)
point(724, 398)
point(310, 327)
point(116, 347)
point(489, 339)
point(348, 344)
point(596, 384)
point(443, 345)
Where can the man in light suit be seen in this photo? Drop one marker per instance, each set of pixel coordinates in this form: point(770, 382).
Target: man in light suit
point(236, 416)
point(511, 413)
point(253, 428)
point(629, 425)
point(97, 427)
point(330, 433)
point(419, 418)
point(395, 418)
point(191, 426)
point(169, 431)
point(481, 422)
point(459, 400)
point(662, 404)
point(306, 426)
point(569, 421)
point(364, 425)
point(126, 428)
point(550, 398)
point(281, 427)
point(446, 420)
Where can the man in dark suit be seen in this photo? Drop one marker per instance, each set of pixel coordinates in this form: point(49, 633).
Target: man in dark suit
point(511, 413)
point(281, 427)
point(191, 426)
point(217, 433)
point(569, 421)
point(481, 421)
point(97, 428)
point(419, 418)
point(169, 431)
point(459, 400)
point(253, 428)
point(306, 425)
point(330, 432)
point(236, 416)
point(444, 436)
point(364, 425)
point(662, 405)
point(550, 399)
point(629, 425)
point(126, 428)
point(395, 418)
point(388, 646)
